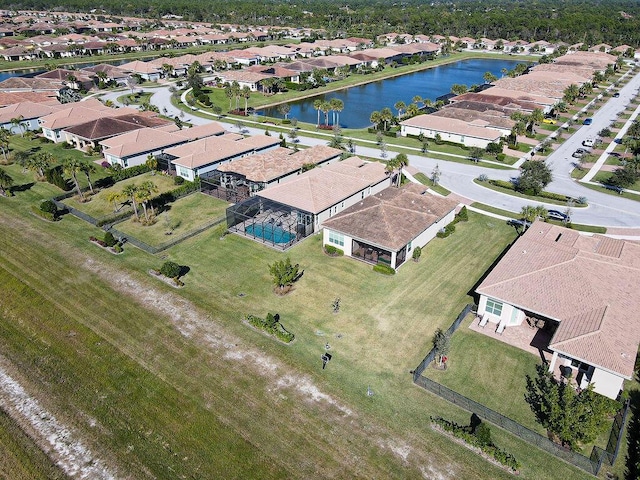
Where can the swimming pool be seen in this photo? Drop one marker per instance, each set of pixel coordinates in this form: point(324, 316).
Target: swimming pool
point(270, 232)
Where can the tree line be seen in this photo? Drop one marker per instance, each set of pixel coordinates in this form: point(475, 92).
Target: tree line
point(615, 22)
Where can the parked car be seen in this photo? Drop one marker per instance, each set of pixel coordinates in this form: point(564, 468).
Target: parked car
point(550, 121)
point(616, 95)
point(579, 153)
point(588, 121)
point(556, 215)
point(518, 223)
point(589, 142)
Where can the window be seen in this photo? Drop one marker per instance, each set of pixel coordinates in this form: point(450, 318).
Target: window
point(336, 238)
point(409, 247)
point(183, 172)
point(494, 307)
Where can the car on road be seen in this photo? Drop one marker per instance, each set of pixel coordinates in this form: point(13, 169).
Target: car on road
point(514, 222)
point(588, 121)
point(549, 121)
point(556, 215)
point(589, 142)
point(616, 95)
point(579, 153)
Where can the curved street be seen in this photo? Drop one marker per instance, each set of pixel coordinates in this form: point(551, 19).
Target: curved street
point(603, 209)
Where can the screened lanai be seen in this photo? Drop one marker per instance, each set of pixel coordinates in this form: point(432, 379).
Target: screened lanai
point(269, 222)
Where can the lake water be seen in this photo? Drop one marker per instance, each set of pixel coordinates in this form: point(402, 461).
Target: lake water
point(432, 83)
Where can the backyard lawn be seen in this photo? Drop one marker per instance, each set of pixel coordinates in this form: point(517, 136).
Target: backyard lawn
point(99, 206)
point(180, 218)
point(178, 385)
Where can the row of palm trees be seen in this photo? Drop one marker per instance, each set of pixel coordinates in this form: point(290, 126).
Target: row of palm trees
point(334, 105)
point(142, 194)
point(233, 90)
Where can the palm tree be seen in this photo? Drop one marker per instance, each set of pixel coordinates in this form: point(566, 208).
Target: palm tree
point(4, 142)
point(400, 106)
point(114, 197)
point(386, 115)
point(536, 116)
point(88, 168)
point(325, 107)
point(338, 107)
point(144, 194)
point(412, 110)
point(317, 105)
point(246, 94)
point(130, 192)
point(39, 163)
point(235, 90)
point(489, 77)
point(71, 166)
point(17, 123)
point(334, 103)
point(6, 182)
point(417, 99)
point(375, 119)
point(228, 92)
point(571, 93)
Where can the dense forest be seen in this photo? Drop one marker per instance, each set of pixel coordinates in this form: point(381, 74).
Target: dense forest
point(590, 21)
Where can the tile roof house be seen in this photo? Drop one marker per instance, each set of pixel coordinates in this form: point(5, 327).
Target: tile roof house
point(450, 130)
point(290, 211)
point(132, 148)
point(585, 289)
point(388, 226)
point(28, 114)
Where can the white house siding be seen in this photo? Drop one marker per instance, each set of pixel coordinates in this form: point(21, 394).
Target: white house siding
point(185, 173)
point(606, 383)
point(510, 314)
point(347, 240)
point(466, 140)
point(53, 135)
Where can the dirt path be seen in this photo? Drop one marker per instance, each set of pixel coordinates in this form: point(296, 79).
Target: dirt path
point(58, 441)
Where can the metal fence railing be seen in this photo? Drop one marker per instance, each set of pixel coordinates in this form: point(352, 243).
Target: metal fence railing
point(591, 464)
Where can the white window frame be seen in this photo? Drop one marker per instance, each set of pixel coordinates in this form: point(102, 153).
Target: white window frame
point(494, 307)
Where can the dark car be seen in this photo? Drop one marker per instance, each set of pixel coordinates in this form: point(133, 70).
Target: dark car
point(556, 215)
point(588, 121)
point(616, 95)
point(519, 223)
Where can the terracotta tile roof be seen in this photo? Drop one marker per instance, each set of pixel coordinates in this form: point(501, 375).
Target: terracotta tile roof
point(139, 141)
point(393, 217)
point(452, 125)
point(35, 84)
point(210, 150)
point(9, 98)
point(474, 117)
point(201, 131)
point(318, 189)
point(140, 67)
point(490, 98)
point(79, 113)
point(588, 284)
point(268, 166)
point(26, 110)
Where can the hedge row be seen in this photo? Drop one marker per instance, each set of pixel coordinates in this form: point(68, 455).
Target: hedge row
point(46, 215)
point(129, 172)
point(172, 195)
point(331, 250)
point(464, 433)
point(272, 326)
point(548, 195)
point(384, 269)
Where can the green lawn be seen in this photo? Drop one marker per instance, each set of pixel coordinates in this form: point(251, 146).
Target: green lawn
point(180, 387)
point(98, 206)
point(489, 372)
point(180, 217)
point(21, 457)
point(507, 191)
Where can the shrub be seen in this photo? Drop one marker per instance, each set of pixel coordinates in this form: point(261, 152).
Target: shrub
point(581, 200)
point(55, 177)
point(42, 214)
point(463, 215)
point(124, 173)
point(109, 239)
point(170, 269)
point(178, 180)
point(483, 177)
point(49, 206)
point(272, 326)
point(331, 250)
point(500, 157)
point(446, 231)
point(117, 248)
point(503, 184)
point(105, 164)
point(384, 269)
point(417, 252)
point(483, 434)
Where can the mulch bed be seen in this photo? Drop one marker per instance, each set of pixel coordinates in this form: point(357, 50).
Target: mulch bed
point(167, 280)
point(108, 249)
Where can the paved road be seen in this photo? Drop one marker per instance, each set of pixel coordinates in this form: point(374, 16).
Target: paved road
point(603, 209)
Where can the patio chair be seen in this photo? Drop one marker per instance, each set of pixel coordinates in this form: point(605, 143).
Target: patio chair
point(483, 319)
point(500, 328)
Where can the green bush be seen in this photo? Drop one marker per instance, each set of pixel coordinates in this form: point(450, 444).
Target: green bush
point(417, 252)
point(272, 326)
point(42, 214)
point(49, 206)
point(463, 215)
point(55, 177)
point(178, 180)
point(171, 196)
point(554, 196)
point(331, 250)
point(446, 231)
point(463, 433)
point(384, 269)
point(123, 174)
point(483, 434)
point(170, 269)
point(117, 248)
point(503, 184)
point(110, 240)
point(500, 157)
